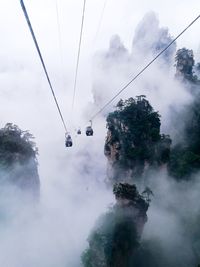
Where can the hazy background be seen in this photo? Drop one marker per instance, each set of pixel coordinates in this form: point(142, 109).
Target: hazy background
point(73, 193)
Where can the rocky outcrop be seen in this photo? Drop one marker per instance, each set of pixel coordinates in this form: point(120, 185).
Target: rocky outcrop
point(128, 199)
point(134, 143)
point(116, 236)
point(18, 159)
point(184, 63)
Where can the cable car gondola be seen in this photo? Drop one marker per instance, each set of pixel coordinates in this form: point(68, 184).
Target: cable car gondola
point(68, 140)
point(89, 131)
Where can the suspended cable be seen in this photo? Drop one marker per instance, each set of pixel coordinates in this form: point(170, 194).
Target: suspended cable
point(58, 22)
point(136, 76)
point(42, 61)
point(101, 19)
point(59, 34)
point(78, 57)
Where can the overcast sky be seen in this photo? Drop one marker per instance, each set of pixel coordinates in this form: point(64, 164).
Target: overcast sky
point(120, 17)
point(22, 82)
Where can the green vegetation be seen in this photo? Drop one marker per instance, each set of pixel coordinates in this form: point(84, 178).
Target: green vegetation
point(111, 244)
point(183, 162)
point(185, 63)
point(185, 156)
point(134, 141)
point(116, 236)
point(18, 158)
point(15, 146)
point(134, 132)
point(134, 144)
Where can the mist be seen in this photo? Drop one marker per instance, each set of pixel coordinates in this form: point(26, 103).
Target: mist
point(73, 194)
point(170, 231)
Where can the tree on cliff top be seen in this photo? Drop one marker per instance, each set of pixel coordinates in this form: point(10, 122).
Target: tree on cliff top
point(134, 132)
point(18, 157)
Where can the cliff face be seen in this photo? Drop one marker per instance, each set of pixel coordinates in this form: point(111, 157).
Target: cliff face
point(18, 162)
point(132, 203)
point(116, 236)
point(133, 142)
point(184, 63)
point(185, 155)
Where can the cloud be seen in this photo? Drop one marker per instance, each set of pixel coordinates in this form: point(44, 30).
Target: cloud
point(73, 194)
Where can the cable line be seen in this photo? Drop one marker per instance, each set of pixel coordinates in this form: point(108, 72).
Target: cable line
point(78, 57)
point(58, 23)
point(59, 38)
point(136, 76)
point(101, 19)
point(42, 61)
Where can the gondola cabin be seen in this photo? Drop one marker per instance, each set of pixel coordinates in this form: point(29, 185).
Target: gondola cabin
point(89, 131)
point(68, 141)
